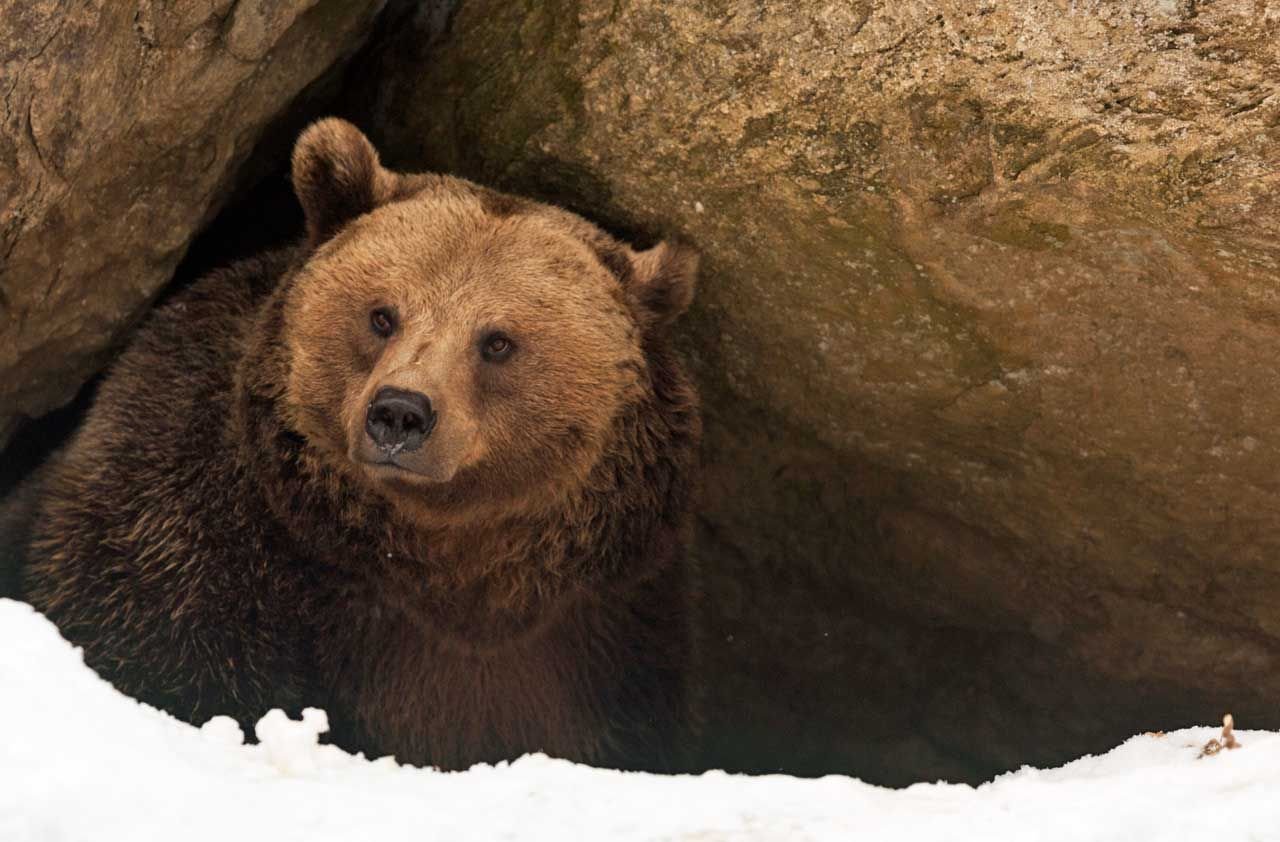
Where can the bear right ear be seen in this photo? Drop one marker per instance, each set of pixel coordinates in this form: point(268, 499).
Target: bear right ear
point(337, 177)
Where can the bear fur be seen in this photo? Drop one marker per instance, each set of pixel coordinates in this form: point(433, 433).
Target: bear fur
point(221, 538)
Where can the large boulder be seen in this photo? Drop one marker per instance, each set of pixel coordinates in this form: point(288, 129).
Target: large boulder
point(988, 335)
point(124, 127)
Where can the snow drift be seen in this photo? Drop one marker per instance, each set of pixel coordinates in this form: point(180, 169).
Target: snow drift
point(79, 761)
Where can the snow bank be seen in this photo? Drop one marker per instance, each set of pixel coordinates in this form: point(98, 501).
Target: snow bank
point(79, 761)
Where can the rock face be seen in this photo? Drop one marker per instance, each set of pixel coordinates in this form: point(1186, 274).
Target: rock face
point(124, 125)
point(988, 333)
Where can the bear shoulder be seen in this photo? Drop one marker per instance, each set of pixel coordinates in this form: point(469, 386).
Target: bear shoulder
point(146, 537)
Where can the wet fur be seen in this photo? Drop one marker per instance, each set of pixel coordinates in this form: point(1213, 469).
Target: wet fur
point(211, 559)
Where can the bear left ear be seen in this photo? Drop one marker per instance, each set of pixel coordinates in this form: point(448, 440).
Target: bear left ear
point(662, 281)
point(337, 176)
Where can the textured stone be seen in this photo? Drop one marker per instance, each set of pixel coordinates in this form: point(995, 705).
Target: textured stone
point(988, 333)
point(124, 126)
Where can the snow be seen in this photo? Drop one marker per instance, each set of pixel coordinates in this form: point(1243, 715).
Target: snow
point(80, 761)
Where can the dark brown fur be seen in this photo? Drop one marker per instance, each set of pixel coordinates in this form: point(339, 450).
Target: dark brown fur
point(213, 541)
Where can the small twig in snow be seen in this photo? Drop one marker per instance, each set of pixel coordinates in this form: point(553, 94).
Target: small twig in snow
point(1227, 740)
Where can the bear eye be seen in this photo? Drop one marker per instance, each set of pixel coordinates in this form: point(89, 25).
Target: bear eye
point(383, 321)
point(496, 347)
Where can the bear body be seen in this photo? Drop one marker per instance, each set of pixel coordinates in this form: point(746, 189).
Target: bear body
point(430, 470)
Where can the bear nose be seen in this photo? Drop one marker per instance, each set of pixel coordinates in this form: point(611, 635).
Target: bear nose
point(399, 420)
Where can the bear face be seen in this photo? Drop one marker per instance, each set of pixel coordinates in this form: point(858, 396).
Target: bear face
point(451, 346)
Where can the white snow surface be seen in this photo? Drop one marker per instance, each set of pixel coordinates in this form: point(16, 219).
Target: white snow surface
point(80, 761)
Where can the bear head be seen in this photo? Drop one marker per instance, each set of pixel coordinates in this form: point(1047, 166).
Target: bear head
point(448, 344)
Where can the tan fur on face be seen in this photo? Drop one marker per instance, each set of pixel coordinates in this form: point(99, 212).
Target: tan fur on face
point(454, 272)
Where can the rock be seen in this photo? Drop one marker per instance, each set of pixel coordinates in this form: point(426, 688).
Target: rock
point(123, 129)
point(988, 335)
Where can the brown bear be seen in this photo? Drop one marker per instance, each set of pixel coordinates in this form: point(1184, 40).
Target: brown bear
point(430, 470)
